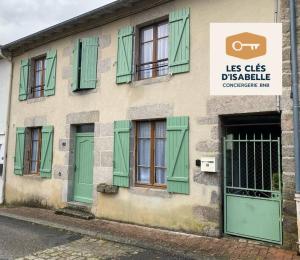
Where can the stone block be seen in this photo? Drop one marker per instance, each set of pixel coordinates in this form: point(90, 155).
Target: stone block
point(107, 129)
point(233, 104)
point(97, 158)
point(83, 117)
point(106, 188)
point(206, 178)
point(287, 121)
point(106, 159)
point(208, 146)
point(289, 208)
point(288, 164)
point(103, 174)
point(208, 120)
point(288, 151)
point(104, 143)
point(150, 111)
point(286, 53)
point(286, 66)
point(286, 80)
point(287, 138)
point(290, 224)
point(35, 121)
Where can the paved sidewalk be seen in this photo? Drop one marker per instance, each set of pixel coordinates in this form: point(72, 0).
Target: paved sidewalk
point(185, 244)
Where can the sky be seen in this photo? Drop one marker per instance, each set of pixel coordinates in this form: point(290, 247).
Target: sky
point(19, 18)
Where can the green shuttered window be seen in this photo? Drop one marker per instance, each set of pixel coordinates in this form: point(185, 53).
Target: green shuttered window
point(179, 41)
point(34, 151)
point(152, 57)
point(19, 152)
point(38, 76)
point(121, 153)
point(50, 79)
point(125, 55)
point(177, 154)
point(177, 157)
point(46, 153)
point(85, 58)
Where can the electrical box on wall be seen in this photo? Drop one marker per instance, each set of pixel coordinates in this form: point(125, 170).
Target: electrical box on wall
point(208, 164)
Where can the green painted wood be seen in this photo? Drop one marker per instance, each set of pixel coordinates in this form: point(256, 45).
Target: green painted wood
point(251, 217)
point(50, 79)
point(125, 55)
point(75, 66)
point(83, 172)
point(46, 152)
point(179, 41)
point(19, 152)
point(121, 153)
point(177, 154)
point(24, 74)
point(89, 59)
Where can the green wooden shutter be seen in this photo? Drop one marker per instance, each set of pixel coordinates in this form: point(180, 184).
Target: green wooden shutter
point(177, 154)
point(75, 66)
point(19, 152)
point(125, 55)
point(46, 152)
point(121, 153)
point(89, 58)
point(24, 75)
point(50, 80)
point(179, 41)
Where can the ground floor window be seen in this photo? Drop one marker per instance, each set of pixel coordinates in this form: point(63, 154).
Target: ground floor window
point(150, 153)
point(33, 148)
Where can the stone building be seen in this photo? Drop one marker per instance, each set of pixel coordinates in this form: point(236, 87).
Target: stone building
point(120, 97)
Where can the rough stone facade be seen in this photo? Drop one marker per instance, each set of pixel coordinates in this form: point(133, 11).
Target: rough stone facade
point(288, 164)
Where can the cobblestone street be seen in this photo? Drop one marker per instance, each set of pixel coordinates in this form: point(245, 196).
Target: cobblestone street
point(90, 248)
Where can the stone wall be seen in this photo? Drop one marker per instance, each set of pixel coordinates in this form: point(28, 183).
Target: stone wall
point(288, 164)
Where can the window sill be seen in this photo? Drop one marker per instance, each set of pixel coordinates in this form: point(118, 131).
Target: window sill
point(35, 100)
point(152, 192)
point(32, 176)
point(150, 81)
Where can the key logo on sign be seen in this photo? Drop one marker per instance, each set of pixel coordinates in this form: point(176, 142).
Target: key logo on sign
point(246, 45)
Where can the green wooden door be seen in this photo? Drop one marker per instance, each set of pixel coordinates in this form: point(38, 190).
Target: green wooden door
point(83, 168)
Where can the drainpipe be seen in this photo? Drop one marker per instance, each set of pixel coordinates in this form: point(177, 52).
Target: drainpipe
point(295, 96)
point(2, 198)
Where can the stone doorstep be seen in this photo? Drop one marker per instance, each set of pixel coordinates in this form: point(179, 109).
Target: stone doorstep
point(71, 212)
point(179, 243)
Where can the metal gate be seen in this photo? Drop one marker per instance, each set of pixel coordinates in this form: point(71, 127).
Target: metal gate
point(252, 187)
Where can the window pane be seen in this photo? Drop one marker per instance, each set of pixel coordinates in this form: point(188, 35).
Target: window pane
point(160, 176)
point(160, 129)
point(163, 30)
point(147, 34)
point(162, 49)
point(144, 175)
point(160, 152)
point(147, 52)
point(144, 152)
point(144, 130)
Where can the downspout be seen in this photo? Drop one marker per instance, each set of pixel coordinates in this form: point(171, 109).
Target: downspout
point(295, 97)
point(2, 199)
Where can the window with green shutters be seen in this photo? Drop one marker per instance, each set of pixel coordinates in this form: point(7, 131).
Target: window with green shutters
point(85, 58)
point(38, 76)
point(121, 153)
point(153, 140)
point(159, 50)
point(34, 151)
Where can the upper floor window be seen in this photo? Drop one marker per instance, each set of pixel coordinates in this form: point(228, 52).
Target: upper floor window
point(38, 81)
point(153, 58)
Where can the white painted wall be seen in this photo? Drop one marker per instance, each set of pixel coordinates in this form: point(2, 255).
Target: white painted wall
point(4, 91)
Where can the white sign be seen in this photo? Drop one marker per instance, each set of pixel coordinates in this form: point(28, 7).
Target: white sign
point(245, 59)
